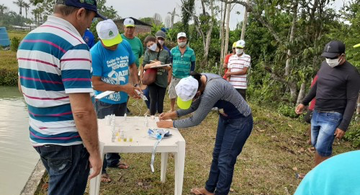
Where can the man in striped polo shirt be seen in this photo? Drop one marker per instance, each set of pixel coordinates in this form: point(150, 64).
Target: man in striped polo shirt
point(55, 79)
point(183, 61)
point(238, 67)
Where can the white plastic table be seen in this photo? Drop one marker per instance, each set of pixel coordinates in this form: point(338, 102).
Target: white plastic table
point(137, 128)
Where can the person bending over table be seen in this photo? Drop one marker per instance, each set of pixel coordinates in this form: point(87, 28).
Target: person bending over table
point(199, 93)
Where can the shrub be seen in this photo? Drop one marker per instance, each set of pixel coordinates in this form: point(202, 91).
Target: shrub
point(15, 41)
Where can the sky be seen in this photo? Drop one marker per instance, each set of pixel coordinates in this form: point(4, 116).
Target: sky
point(147, 8)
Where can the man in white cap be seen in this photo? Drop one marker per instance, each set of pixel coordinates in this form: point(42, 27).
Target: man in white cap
point(113, 67)
point(135, 42)
point(238, 67)
point(183, 61)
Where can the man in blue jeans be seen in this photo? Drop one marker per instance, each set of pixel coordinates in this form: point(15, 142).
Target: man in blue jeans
point(55, 79)
point(113, 65)
point(336, 92)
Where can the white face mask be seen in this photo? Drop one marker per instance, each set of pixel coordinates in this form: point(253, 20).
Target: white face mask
point(239, 51)
point(332, 62)
point(181, 44)
point(161, 42)
point(153, 47)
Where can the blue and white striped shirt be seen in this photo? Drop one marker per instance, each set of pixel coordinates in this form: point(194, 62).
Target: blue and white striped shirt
point(54, 61)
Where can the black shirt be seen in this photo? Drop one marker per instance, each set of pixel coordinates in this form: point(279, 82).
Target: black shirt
point(336, 90)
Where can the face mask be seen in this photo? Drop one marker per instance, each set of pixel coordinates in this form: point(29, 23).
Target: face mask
point(239, 51)
point(332, 62)
point(161, 42)
point(181, 44)
point(153, 47)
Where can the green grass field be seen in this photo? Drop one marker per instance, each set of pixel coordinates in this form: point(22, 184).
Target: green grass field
point(276, 150)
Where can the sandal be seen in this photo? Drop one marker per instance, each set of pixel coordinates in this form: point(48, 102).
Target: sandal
point(300, 176)
point(200, 191)
point(105, 178)
point(122, 165)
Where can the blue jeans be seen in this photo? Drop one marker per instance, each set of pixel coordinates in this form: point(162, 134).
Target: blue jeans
point(68, 168)
point(147, 94)
point(323, 126)
point(230, 139)
point(103, 109)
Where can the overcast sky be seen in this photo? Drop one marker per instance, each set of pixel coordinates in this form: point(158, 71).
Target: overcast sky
point(147, 8)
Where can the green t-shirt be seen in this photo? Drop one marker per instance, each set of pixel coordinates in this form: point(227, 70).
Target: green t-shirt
point(181, 65)
point(136, 47)
point(162, 74)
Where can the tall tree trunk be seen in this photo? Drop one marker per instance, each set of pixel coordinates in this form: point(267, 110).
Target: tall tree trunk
point(208, 35)
point(291, 39)
point(244, 22)
point(301, 93)
point(222, 38)
point(227, 28)
point(292, 84)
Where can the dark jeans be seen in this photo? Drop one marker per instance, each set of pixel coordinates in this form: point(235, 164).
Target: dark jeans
point(103, 109)
point(230, 139)
point(157, 95)
point(146, 93)
point(242, 93)
point(68, 168)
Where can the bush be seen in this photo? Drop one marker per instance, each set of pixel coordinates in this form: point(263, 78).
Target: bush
point(287, 110)
point(15, 41)
point(8, 77)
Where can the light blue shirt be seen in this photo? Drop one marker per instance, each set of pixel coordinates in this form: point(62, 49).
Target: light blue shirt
point(113, 68)
point(338, 175)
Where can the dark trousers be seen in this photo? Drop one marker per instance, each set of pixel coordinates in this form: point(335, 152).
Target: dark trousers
point(157, 95)
point(103, 109)
point(146, 93)
point(230, 139)
point(242, 93)
point(68, 168)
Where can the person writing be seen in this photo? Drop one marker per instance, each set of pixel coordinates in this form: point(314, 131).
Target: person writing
point(156, 55)
point(199, 93)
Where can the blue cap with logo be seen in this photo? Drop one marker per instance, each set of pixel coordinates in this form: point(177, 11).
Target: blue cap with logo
point(87, 4)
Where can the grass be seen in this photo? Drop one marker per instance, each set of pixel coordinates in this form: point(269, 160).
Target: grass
point(8, 62)
point(275, 151)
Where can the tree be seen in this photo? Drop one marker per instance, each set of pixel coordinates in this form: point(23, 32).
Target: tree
point(187, 9)
point(3, 9)
point(204, 24)
point(19, 3)
point(26, 7)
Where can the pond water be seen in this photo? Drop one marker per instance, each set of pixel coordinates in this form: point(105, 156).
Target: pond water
point(17, 156)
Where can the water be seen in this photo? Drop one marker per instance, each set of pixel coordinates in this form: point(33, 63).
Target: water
point(17, 156)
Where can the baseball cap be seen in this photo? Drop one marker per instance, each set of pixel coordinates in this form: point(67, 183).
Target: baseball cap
point(128, 22)
point(333, 49)
point(87, 4)
point(186, 90)
point(161, 34)
point(240, 43)
point(181, 34)
point(234, 45)
point(108, 33)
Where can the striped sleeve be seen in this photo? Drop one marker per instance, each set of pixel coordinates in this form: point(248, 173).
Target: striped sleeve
point(75, 67)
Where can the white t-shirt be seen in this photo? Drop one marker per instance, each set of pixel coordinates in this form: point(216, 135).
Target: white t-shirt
point(236, 64)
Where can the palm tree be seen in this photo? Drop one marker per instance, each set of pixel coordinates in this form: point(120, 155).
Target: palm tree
point(3, 8)
point(19, 3)
point(26, 7)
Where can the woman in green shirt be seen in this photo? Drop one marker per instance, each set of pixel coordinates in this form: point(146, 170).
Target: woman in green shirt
point(155, 55)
